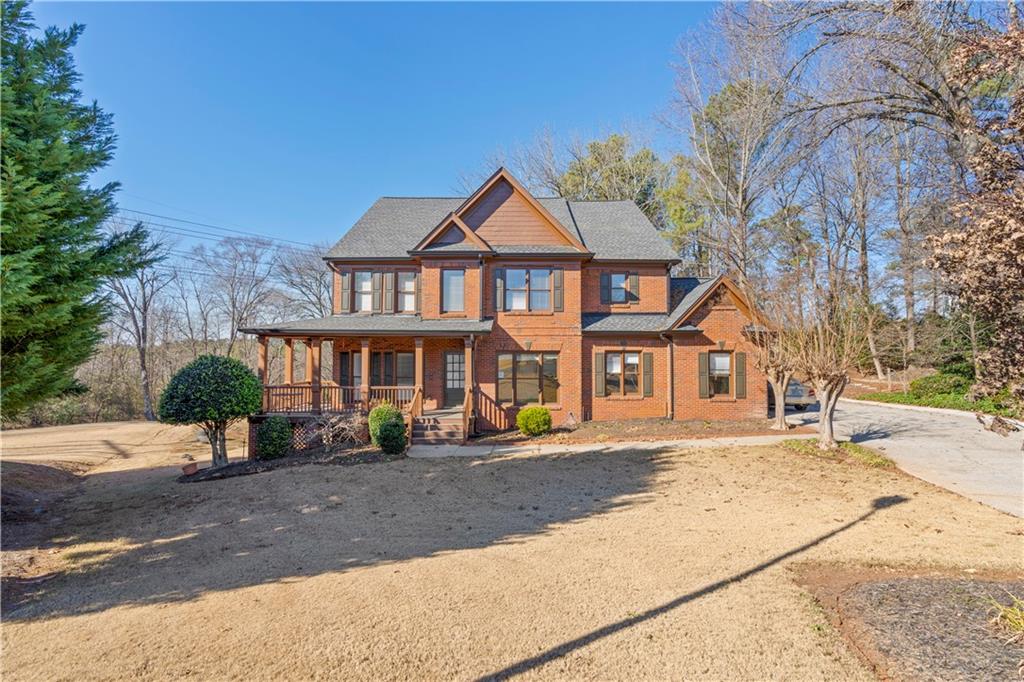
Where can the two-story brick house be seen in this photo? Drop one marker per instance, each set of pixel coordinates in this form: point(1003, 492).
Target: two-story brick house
point(463, 310)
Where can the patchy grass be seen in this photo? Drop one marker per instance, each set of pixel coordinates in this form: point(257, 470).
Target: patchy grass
point(1008, 617)
point(846, 450)
point(641, 430)
point(994, 405)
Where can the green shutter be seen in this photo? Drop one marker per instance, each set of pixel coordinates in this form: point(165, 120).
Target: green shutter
point(389, 292)
point(741, 375)
point(376, 292)
point(346, 292)
point(499, 289)
point(416, 286)
point(702, 375)
point(599, 390)
point(557, 294)
point(606, 288)
point(648, 359)
point(634, 288)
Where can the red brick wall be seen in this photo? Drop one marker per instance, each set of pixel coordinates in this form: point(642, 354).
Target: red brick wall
point(654, 284)
point(720, 322)
point(628, 406)
point(430, 288)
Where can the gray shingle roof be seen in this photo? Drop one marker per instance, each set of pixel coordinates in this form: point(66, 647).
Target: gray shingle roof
point(685, 292)
point(375, 324)
point(612, 230)
point(624, 322)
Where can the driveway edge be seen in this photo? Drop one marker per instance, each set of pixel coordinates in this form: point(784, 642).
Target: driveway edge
point(922, 408)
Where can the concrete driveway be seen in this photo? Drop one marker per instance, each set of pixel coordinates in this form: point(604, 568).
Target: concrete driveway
point(947, 448)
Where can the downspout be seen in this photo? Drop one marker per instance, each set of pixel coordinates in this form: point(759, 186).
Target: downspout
point(480, 285)
point(671, 376)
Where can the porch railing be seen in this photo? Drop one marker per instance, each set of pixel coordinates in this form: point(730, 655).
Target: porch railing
point(299, 397)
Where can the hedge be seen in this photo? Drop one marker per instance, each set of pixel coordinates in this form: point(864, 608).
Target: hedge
point(534, 421)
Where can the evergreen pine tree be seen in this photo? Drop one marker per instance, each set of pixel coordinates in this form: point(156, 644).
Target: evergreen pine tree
point(54, 252)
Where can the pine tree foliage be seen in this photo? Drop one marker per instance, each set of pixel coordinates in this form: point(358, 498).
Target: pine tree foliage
point(54, 253)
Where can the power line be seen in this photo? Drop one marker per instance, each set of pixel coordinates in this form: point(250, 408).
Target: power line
point(218, 227)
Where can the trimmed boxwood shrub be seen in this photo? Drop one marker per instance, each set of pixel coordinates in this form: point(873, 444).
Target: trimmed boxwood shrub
point(534, 421)
point(383, 413)
point(936, 384)
point(273, 438)
point(212, 391)
point(391, 436)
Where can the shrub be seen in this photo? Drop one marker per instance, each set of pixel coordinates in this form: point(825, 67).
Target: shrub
point(534, 421)
point(212, 391)
point(380, 415)
point(961, 369)
point(391, 436)
point(273, 438)
point(936, 384)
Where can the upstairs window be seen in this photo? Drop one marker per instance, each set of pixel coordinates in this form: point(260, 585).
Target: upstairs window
point(528, 289)
point(453, 288)
point(620, 287)
point(363, 292)
point(406, 292)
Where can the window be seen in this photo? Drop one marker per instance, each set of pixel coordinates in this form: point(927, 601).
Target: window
point(406, 293)
point(363, 292)
point(453, 290)
point(357, 369)
point(515, 290)
point(387, 368)
point(528, 289)
point(620, 287)
point(405, 369)
point(622, 373)
point(525, 378)
point(718, 370)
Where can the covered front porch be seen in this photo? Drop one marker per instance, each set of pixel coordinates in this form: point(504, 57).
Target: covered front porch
point(342, 374)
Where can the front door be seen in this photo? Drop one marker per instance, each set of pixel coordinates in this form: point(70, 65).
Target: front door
point(454, 378)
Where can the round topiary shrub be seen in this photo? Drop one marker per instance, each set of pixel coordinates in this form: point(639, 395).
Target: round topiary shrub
point(379, 415)
point(273, 438)
point(936, 384)
point(534, 421)
point(212, 391)
point(391, 437)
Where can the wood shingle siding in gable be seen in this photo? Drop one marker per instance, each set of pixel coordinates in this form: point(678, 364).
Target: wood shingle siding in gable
point(503, 217)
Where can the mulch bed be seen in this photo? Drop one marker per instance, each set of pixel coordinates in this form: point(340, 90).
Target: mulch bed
point(365, 454)
point(922, 627)
point(642, 430)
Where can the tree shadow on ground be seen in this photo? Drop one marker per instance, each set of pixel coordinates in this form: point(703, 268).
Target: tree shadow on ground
point(570, 646)
point(857, 428)
point(137, 537)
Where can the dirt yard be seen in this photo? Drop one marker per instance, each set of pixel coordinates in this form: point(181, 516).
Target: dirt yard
point(645, 564)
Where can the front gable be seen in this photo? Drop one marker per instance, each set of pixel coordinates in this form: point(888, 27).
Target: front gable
point(723, 292)
point(502, 212)
point(452, 234)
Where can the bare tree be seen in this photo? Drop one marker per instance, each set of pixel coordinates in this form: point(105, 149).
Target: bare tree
point(306, 281)
point(135, 302)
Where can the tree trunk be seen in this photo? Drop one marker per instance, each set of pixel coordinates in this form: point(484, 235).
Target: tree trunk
point(873, 348)
point(147, 391)
point(828, 396)
point(779, 387)
point(217, 439)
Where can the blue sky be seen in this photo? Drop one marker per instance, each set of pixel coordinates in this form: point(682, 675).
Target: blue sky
point(290, 119)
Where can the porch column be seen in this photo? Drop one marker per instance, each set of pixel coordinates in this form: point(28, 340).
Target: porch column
point(308, 343)
point(314, 354)
point(289, 361)
point(469, 369)
point(419, 362)
point(261, 368)
point(364, 386)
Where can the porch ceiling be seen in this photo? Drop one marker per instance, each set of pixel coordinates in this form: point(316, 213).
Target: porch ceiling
point(396, 325)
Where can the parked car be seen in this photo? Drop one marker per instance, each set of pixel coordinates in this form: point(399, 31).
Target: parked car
point(798, 396)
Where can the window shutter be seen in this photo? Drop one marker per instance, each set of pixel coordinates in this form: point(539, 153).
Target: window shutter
point(702, 375)
point(346, 292)
point(648, 374)
point(416, 285)
point(557, 294)
point(741, 375)
point(376, 292)
point(599, 375)
point(499, 289)
point(389, 292)
point(606, 287)
point(634, 288)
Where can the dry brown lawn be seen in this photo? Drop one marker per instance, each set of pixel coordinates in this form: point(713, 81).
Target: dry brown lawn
point(641, 564)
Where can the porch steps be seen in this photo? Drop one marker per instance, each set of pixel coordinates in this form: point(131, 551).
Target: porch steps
point(438, 427)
